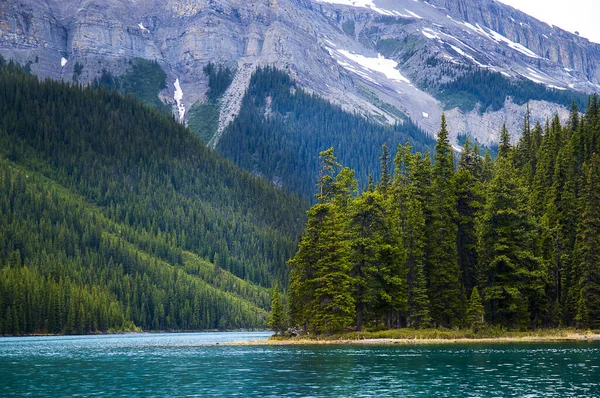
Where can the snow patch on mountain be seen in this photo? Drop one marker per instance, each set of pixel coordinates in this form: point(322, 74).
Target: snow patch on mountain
point(178, 97)
point(359, 4)
point(413, 14)
point(63, 62)
point(498, 38)
point(369, 4)
point(430, 34)
point(515, 46)
point(379, 64)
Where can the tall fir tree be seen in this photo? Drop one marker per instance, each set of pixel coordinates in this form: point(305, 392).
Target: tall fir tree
point(475, 314)
point(277, 317)
point(410, 190)
point(512, 271)
point(377, 261)
point(445, 293)
point(469, 192)
point(320, 282)
point(587, 249)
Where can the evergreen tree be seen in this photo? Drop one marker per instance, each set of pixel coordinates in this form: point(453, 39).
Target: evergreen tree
point(445, 293)
point(475, 310)
point(469, 192)
point(504, 147)
point(333, 308)
point(386, 177)
point(276, 317)
point(320, 281)
point(512, 271)
point(377, 261)
point(587, 249)
point(410, 190)
point(558, 239)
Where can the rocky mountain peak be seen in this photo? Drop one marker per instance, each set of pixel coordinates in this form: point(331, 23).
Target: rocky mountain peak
point(386, 59)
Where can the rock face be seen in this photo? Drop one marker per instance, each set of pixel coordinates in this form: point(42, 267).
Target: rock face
point(382, 58)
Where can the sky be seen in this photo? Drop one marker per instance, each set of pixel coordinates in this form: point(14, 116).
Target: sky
point(570, 15)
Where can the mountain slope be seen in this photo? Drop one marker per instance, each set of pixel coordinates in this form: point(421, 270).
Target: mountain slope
point(108, 200)
point(368, 56)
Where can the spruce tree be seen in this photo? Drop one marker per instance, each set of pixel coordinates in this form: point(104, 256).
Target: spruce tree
point(587, 249)
point(320, 282)
point(276, 317)
point(504, 147)
point(512, 271)
point(332, 308)
point(558, 238)
point(410, 191)
point(445, 293)
point(475, 310)
point(377, 261)
point(469, 192)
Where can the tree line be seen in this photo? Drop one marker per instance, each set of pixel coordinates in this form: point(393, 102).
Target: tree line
point(459, 240)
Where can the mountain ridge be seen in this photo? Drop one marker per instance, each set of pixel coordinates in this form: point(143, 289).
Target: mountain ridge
point(310, 40)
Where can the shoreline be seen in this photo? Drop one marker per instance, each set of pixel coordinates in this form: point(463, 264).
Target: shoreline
point(571, 337)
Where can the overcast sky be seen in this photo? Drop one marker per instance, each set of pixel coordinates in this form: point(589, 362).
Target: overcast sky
point(570, 15)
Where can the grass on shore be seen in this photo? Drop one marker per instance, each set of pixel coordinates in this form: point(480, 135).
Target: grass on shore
point(443, 334)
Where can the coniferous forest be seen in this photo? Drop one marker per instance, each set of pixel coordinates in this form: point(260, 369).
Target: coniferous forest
point(459, 241)
point(114, 216)
point(281, 129)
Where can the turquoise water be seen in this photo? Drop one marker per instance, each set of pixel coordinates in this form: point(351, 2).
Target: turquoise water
point(200, 365)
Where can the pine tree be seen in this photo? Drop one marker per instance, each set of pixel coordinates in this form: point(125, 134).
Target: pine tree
point(559, 231)
point(587, 249)
point(504, 147)
point(513, 276)
point(386, 177)
point(445, 293)
point(469, 193)
point(377, 260)
point(475, 310)
point(332, 308)
point(320, 281)
point(276, 317)
point(410, 190)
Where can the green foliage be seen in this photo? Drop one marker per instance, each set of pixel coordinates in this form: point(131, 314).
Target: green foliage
point(445, 293)
point(106, 200)
point(587, 249)
point(219, 80)
point(513, 272)
point(475, 310)
point(77, 69)
point(276, 317)
point(523, 230)
point(470, 199)
point(280, 127)
point(489, 89)
point(144, 81)
point(203, 119)
point(320, 282)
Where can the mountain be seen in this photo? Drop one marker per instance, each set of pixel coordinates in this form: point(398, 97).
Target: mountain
point(384, 59)
point(115, 215)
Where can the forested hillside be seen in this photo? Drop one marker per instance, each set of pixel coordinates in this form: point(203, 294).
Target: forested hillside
point(280, 127)
point(114, 215)
point(512, 243)
point(489, 90)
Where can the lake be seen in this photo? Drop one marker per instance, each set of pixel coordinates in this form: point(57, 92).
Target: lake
point(200, 365)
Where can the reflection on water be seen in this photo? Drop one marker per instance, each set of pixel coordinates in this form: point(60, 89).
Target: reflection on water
point(197, 364)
